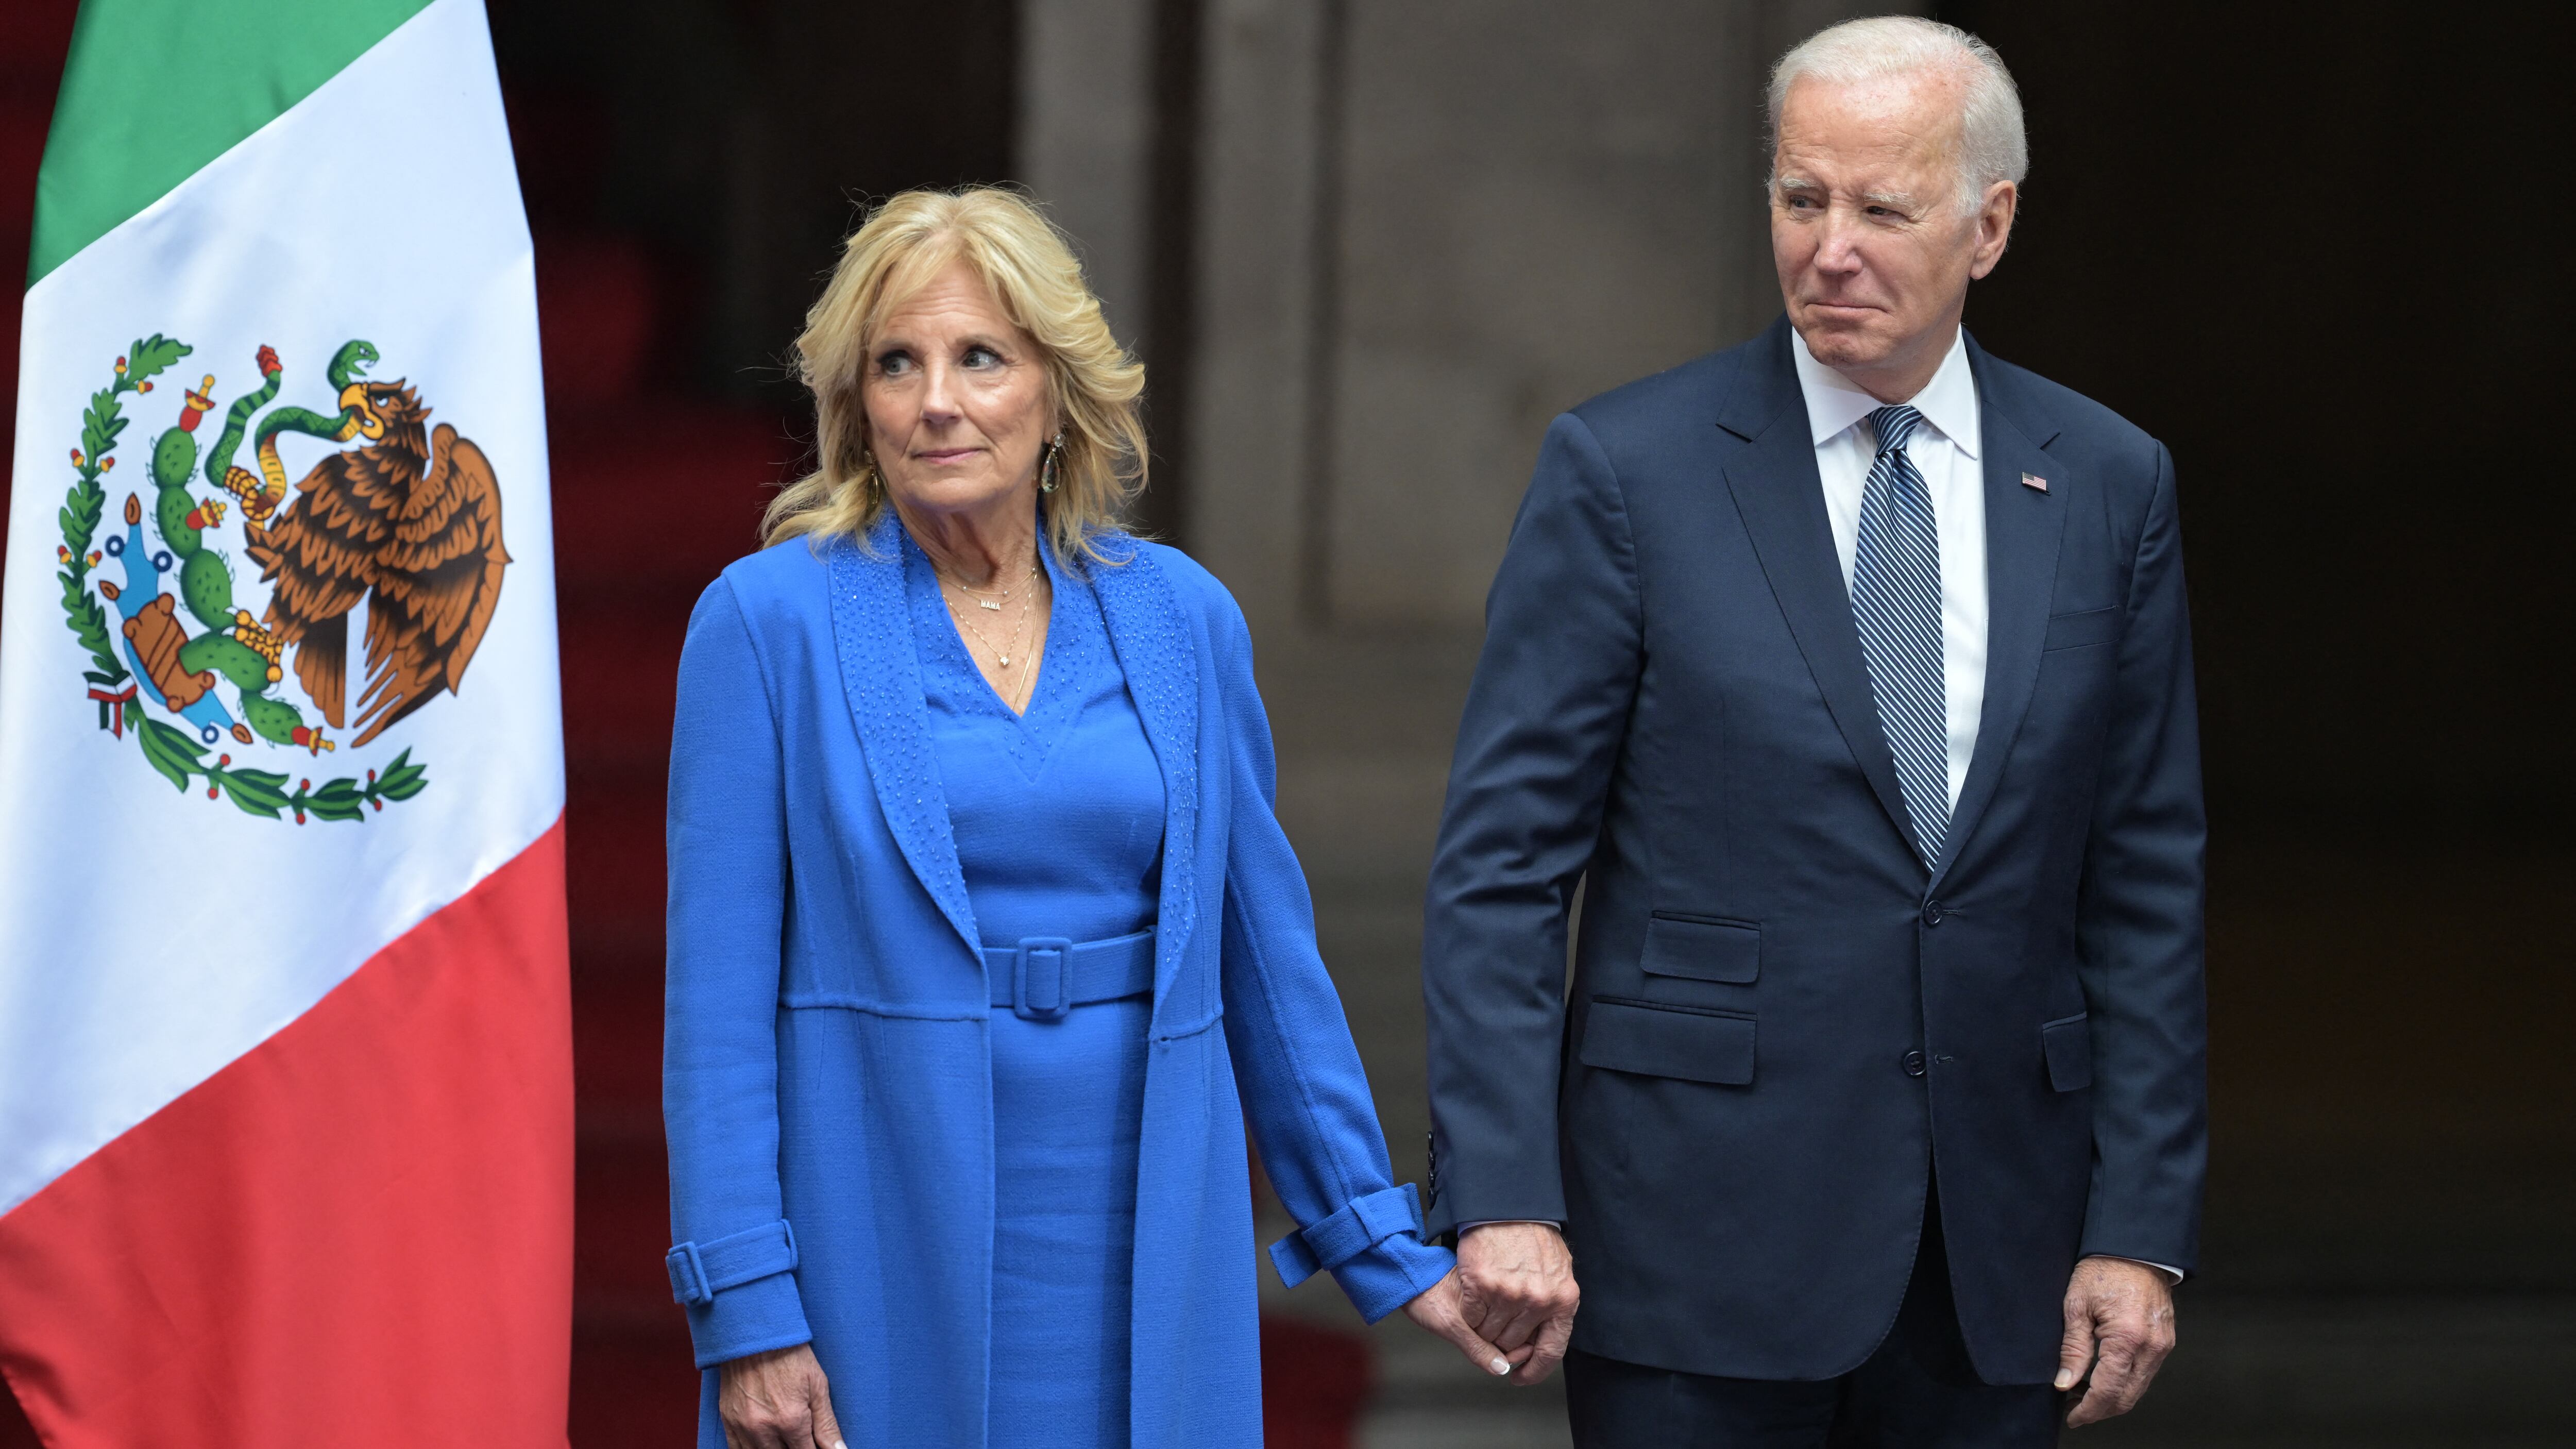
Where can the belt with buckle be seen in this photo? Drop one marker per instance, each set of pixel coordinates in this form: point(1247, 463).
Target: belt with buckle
point(1043, 977)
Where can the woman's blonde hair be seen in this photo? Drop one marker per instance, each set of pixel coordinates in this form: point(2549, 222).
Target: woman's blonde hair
point(1031, 270)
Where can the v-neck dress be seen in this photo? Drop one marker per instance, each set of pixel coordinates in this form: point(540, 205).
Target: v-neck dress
point(1058, 817)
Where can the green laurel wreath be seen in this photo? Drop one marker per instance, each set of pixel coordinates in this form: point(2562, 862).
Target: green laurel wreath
point(168, 749)
point(101, 423)
point(177, 755)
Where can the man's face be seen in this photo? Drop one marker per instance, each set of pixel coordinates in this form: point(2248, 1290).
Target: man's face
point(1874, 255)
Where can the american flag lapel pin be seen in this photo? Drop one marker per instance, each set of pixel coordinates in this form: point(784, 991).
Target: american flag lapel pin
point(2033, 480)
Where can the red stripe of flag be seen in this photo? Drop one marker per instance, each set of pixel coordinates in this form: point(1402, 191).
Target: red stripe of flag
point(358, 1233)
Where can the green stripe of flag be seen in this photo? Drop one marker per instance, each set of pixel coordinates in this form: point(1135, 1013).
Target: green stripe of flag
point(155, 89)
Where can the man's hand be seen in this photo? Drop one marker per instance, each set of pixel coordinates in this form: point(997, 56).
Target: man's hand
point(2123, 1312)
point(1516, 1288)
point(777, 1400)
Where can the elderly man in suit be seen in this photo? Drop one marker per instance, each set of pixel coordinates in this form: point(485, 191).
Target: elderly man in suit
point(1848, 673)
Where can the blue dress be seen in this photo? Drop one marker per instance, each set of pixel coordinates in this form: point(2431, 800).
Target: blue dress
point(1058, 816)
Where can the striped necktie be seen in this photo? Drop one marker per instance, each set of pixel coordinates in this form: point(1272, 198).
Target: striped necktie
point(1896, 600)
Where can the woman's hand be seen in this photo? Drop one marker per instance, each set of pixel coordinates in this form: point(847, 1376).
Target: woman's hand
point(777, 1400)
point(1437, 1308)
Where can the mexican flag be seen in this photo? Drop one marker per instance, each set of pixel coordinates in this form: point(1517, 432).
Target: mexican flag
point(285, 1047)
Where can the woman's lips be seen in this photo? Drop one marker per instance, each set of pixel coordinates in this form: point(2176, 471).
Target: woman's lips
point(947, 455)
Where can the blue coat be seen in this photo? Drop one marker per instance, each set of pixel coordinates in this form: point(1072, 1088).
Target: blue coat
point(1782, 1020)
point(826, 1073)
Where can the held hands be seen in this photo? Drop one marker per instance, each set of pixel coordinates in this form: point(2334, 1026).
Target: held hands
point(1436, 1309)
point(2123, 1312)
point(1514, 1291)
point(777, 1400)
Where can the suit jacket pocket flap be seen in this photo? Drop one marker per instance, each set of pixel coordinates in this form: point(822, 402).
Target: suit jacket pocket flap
point(2093, 626)
point(2068, 1045)
point(1669, 1041)
point(1703, 948)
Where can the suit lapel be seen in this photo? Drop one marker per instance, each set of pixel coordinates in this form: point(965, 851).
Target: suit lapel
point(2023, 529)
point(1781, 498)
point(1152, 640)
point(881, 674)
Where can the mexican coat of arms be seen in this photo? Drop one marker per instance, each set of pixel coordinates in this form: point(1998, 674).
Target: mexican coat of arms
point(401, 517)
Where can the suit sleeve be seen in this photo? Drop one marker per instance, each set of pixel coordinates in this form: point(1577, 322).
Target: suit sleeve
point(1299, 1074)
point(2138, 924)
point(1544, 724)
point(727, 844)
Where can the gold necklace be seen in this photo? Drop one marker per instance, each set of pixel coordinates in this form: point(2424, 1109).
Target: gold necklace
point(999, 596)
point(1019, 686)
point(1018, 631)
point(1003, 594)
point(977, 595)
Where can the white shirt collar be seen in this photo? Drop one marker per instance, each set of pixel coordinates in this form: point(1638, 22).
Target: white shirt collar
point(1834, 402)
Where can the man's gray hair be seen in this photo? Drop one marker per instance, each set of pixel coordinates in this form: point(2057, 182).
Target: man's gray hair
point(1993, 146)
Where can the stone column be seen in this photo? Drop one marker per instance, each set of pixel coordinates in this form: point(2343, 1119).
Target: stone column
point(1085, 130)
point(1250, 454)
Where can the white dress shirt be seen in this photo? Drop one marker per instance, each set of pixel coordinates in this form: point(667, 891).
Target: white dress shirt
point(1944, 450)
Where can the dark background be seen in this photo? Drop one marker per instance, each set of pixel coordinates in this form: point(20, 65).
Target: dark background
point(2336, 238)
point(2331, 308)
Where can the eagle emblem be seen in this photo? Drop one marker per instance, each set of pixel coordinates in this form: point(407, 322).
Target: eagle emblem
point(400, 523)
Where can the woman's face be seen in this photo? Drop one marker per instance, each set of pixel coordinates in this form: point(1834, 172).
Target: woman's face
point(957, 402)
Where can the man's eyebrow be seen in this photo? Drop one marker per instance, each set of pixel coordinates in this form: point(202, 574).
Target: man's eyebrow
point(1902, 201)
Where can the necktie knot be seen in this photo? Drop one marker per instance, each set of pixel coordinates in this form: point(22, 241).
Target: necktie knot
point(1894, 425)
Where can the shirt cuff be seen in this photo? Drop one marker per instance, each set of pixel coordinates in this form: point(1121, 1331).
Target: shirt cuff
point(2172, 1275)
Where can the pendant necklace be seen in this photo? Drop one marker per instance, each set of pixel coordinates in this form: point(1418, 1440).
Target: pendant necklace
point(1019, 630)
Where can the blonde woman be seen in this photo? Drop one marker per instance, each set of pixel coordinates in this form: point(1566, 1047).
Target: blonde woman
point(984, 941)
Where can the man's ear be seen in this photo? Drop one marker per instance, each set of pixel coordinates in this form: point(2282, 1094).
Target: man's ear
point(1994, 226)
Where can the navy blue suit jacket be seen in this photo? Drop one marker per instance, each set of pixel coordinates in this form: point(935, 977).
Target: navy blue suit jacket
point(1779, 1019)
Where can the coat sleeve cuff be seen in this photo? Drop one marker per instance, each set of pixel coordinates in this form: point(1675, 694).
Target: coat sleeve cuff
point(1362, 1223)
point(1392, 1274)
point(740, 1293)
point(1373, 1247)
point(2170, 1241)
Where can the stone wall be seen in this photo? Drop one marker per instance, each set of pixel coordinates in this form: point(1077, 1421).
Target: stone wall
point(1424, 228)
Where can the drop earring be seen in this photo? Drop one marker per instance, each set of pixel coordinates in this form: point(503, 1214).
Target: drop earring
point(1047, 470)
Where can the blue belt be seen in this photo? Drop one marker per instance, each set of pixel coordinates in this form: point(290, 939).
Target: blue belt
point(1043, 977)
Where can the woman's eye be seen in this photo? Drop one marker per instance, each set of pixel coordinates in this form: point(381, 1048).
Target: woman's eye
point(982, 357)
point(893, 363)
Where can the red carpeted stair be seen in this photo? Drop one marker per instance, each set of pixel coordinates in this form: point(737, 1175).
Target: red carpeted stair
point(654, 492)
